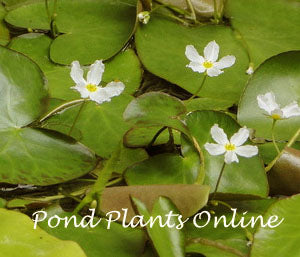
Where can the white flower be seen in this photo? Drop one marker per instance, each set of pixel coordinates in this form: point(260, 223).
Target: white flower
point(232, 147)
point(267, 103)
point(144, 17)
point(90, 87)
point(209, 62)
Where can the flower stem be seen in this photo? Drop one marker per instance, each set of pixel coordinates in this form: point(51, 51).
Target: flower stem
point(76, 118)
point(273, 136)
point(289, 144)
point(201, 174)
point(61, 108)
point(156, 136)
point(199, 89)
point(218, 181)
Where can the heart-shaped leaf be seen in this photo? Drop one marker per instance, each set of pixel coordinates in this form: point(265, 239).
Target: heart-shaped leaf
point(168, 61)
point(237, 178)
point(106, 27)
point(30, 155)
point(156, 108)
point(280, 75)
point(124, 66)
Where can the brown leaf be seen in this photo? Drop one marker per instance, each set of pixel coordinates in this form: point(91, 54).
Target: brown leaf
point(284, 177)
point(187, 198)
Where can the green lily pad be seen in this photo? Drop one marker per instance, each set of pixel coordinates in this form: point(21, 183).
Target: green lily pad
point(280, 75)
point(38, 157)
point(22, 92)
point(237, 177)
point(142, 136)
point(18, 236)
point(29, 155)
point(101, 127)
point(156, 108)
point(91, 29)
point(165, 57)
point(99, 241)
point(163, 169)
point(264, 27)
point(199, 104)
point(124, 67)
point(168, 242)
point(269, 241)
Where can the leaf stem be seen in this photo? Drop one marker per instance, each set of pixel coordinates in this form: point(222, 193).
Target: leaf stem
point(218, 181)
point(191, 7)
point(156, 136)
point(289, 144)
point(61, 108)
point(199, 89)
point(201, 173)
point(273, 137)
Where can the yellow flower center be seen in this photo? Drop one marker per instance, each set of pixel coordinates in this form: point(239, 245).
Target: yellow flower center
point(207, 64)
point(276, 116)
point(230, 147)
point(91, 88)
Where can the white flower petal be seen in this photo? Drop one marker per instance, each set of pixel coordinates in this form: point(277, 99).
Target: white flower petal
point(214, 149)
point(267, 102)
point(211, 51)
point(94, 75)
point(100, 96)
point(197, 67)
point(114, 88)
point(218, 135)
point(213, 72)
point(77, 73)
point(82, 90)
point(225, 62)
point(240, 137)
point(104, 94)
point(247, 150)
point(230, 157)
point(291, 110)
point(192, 54)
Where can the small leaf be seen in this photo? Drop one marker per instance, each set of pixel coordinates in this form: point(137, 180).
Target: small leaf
point(168, 242)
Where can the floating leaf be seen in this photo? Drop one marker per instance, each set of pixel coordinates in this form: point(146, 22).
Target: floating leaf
point(237, 177)
point(99, 241)
point(18, 236)
point(280, 75)
point(188, 198)
point(105, 29)
point(272, 238)
point(124, 67)
point(199, 104)
point(168, 61)
point(142, 136)
point(156, 109)
point(264, 27)
point(168, 242)
point(30, 155)
point(4, 32)
point(101, 126)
